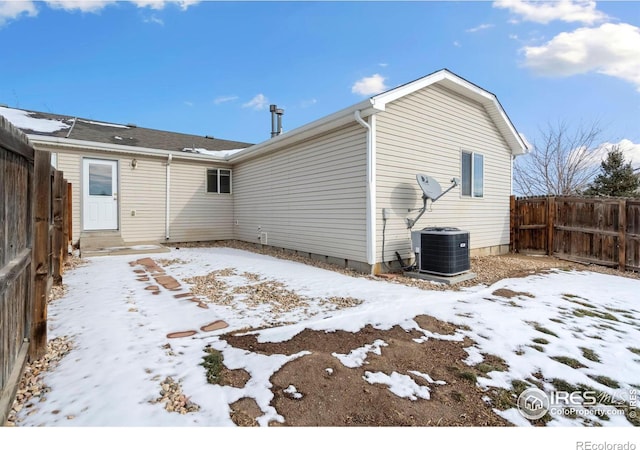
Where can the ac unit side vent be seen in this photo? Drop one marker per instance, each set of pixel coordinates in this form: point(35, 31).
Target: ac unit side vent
point(442, 251)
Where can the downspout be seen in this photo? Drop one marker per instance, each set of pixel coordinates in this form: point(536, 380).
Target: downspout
point(167, 198)
point(370, 187)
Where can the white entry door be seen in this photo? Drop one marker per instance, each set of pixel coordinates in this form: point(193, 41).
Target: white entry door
point(100, 194)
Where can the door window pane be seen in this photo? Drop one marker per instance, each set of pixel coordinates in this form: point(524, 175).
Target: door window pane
point(100, 180)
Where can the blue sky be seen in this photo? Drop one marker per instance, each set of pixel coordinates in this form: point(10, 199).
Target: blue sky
point(213, 68)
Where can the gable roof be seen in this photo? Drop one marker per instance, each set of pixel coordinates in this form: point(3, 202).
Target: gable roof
point(74, 129)
point(377, 103)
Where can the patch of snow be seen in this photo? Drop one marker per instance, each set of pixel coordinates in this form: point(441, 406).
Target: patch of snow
point(119, 138)
point(96, 313)
point(24, 120)
point(513, 416)
point(400, 384)
point(427, 377)
point(356, 357)
point(292, 391)
point(329, 370)
point(218, 153)
point(104, 124)
point(475, 357)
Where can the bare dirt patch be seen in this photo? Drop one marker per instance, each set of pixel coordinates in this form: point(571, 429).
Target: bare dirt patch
point(244, 412)
point(327, 393)
point(508, 293)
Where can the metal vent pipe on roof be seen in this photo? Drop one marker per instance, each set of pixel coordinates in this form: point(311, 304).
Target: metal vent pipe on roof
point(276, 120)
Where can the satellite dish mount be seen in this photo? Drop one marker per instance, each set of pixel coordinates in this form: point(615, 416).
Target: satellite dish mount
point(430, 190)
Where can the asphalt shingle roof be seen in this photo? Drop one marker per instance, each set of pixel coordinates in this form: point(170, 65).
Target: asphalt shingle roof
point(131, 135)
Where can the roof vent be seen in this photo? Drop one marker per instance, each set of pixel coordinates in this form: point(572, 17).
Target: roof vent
point(276, 112)
point(132, 125)
point(209, 137)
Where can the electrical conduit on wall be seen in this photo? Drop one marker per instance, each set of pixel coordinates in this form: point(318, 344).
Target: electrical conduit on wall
point(371, 187)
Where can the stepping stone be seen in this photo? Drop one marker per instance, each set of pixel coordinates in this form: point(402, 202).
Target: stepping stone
point(184, 295)
point(139, 271)
point(217, 325)
point(179, 334)
point(142, 278)
point(202, 305)
point(156, 292)
point(152, 288)
point(168, 282)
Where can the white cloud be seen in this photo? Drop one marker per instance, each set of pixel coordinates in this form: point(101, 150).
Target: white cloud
point(225, 99)
point(483, 26)
point(630, 150)
point(258, 102)
point(154, 19)
point(188, 103)
point(457, 44)
point(80, 5)
point(611, 49)
point(383, 64)
point(583, 11)
point(160, 4)
point(13, 10)
point(308, 103)
point(369, 85)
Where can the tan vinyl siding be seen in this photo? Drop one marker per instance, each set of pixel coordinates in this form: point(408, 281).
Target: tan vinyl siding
point(308, 197)
point(71, 165)
point(425, 132)
point(197, 215)
point(141, 190)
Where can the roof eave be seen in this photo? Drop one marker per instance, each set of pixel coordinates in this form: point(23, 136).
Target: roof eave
point(330, 122)
point(120, 149)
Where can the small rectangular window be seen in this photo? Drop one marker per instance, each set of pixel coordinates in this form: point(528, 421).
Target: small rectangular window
point(466, 173)
point(472, 174)
point(219, 181)
point(478, 175)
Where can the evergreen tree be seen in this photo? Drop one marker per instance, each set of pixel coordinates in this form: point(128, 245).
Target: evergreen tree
point(616, 178)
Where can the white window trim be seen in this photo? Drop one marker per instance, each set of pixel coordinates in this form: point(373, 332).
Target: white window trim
point(206, 181)
point(472, 153)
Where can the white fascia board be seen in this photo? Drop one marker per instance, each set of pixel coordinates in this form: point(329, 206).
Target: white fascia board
point(80, 145)
point(317, 127)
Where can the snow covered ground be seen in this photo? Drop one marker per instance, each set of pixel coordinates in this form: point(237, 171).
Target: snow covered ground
point(120, 329)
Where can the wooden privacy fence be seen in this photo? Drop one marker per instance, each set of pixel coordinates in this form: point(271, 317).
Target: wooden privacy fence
point(603, 231)
point(33, 246)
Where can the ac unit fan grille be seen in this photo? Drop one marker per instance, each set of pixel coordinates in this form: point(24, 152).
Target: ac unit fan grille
point(442, 251)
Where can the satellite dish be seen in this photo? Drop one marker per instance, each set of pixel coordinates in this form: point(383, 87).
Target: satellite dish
point(429, 186)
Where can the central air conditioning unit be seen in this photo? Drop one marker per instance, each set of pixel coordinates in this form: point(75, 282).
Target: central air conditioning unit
point(441, 250)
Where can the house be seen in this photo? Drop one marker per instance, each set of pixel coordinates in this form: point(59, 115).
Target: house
point(339, 188)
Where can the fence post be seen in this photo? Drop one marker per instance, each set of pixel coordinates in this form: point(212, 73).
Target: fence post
point(65, 221)
point(551, 215)
point(513, 205)
point(622, 235)
point(69, 213)
point(40, 255)
point(58, 235)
